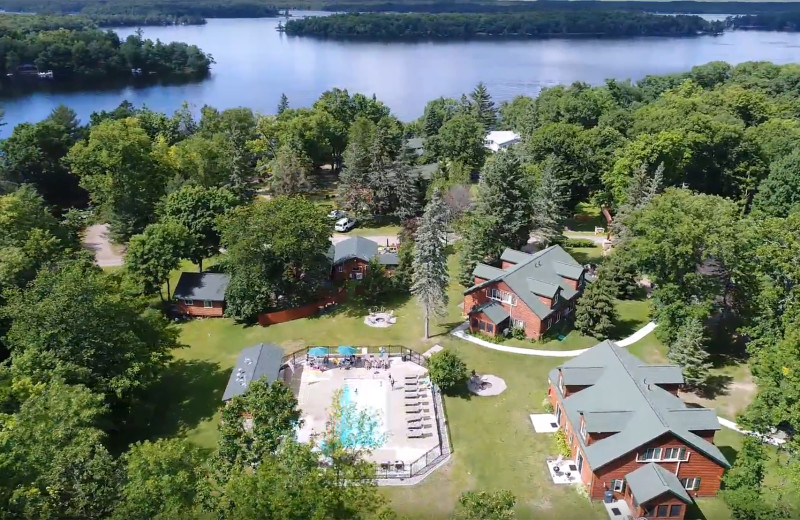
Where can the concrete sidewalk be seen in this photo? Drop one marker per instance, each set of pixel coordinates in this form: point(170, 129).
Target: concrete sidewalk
point(461, 332)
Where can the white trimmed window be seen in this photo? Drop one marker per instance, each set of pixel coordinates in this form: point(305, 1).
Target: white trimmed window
point(618, 485)
point(561, 382)
point(340, 268)
point(207, 304)
point(501, 296)
point(188, 302)
point(650, 454)
point(691, 483)
point(555, 298)
point(674, 454)
point(517, 324)
point(583, 429)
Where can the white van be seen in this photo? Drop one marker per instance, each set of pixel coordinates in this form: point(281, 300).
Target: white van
point(344, 225)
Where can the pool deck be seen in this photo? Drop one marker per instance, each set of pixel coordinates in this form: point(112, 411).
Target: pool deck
point(316, 395)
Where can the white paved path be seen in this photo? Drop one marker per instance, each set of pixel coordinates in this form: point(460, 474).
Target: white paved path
point(767, 439)
point(461, 332)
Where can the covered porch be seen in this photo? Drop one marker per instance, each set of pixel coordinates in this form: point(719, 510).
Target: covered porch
point(489, 318)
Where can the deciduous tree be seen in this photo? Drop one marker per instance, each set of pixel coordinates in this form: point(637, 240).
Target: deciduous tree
point(290, 170)
point(447, 370)
point(155, 253)
point(254, 424)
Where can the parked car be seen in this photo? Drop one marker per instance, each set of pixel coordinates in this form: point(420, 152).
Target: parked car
point(336, 214)
point(344, 225)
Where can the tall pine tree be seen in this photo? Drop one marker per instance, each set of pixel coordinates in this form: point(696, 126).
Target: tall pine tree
point(483, 106)
point(283, 104)
point(290, 170)
point(430, 276)
point(502, 215)
point(549, 206)
point(688, 351)
point(595, 313)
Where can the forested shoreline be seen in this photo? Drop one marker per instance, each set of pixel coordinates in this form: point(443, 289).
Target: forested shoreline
point(74, 49)
point(544, 24)
point(185, 11)
point(788, 21)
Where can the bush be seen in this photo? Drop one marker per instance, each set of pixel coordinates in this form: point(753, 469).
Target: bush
point(562, 445)
point(447, 370)
point(485, 337)
point(579, 242)
point(518, 333)
point(547, 405)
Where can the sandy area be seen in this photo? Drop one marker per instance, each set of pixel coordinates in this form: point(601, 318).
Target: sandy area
point(106, 254)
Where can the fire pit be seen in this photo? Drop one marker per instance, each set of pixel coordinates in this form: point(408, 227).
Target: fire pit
point(380, 319)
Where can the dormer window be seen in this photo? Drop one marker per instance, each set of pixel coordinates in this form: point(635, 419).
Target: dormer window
point(555, 299)
point(583, 429)
point(561, 382)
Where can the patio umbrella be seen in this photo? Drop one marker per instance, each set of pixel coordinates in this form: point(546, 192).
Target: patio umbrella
point(346, 351)
point(318, 351)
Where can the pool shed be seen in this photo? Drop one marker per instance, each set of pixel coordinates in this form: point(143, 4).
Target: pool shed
point(264, 360)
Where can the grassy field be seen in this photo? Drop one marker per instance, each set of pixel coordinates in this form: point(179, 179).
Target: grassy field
point(494, 444)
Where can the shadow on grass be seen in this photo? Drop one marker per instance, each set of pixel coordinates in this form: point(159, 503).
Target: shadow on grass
point(624, 328)
point(447, 328)
point(357, 306)
point(190, 392)
point(716, 386)
point(461, 391)
point(693, 512)
point(730, 453)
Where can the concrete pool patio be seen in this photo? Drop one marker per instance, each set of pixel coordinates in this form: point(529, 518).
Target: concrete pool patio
point(317, 390)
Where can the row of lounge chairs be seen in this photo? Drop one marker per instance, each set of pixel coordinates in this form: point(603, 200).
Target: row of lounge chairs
point(417, 404)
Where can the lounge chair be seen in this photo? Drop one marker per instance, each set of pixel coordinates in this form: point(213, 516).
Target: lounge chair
point(417, 404)
point(413, 426)
point(413, 396)
point(413, 411)
point(418, 418)
point(411, 388)
point(415, 434)
point(411, 378)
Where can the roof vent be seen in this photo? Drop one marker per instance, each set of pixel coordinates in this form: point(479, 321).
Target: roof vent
point(248, 361)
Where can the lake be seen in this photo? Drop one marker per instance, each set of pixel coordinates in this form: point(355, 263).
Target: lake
point(255, 64)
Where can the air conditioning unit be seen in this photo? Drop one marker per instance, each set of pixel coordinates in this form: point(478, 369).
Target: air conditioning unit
point(359, 276)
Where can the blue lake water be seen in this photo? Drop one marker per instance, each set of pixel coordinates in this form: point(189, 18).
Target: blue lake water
point(255, 64)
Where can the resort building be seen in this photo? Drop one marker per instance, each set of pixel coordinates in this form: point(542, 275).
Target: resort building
point(632, 439)
point(260, 361)
point(351, 257)
point(497, 140)
point(533, 292)
point(202, 294)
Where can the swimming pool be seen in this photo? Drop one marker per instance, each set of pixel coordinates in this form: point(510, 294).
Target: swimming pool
point(364, 413)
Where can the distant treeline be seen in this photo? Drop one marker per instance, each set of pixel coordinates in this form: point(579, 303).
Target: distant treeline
point(786, 21)
point(24, 22)
point(543, 24)
point(73, 49)
point(483, 6)
point(177, 9)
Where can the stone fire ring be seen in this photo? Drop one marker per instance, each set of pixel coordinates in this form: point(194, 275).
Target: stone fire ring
point(380, 319)
point(487, 385)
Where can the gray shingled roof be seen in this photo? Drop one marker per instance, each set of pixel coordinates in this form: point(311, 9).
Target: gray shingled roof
point(651, 481)
point(533, 275)
point(623, 384)
point(361, 248)
point(202, 286)
point(262, 360)
point(494, 311)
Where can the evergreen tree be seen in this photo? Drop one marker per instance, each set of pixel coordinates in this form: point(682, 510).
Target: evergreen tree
point(407, 192)
point(283, 104)
point(483, 106)
point(502, 215)
point(290, 170)
point(430, 261)
point(549, 206)
point(595, 313)
point(354, 195)
point(642, 189)
point(688, 351)
point(619, 271)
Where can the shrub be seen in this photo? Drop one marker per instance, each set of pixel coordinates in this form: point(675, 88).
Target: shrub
point(582, 490)
point(562, 445)
point(547, 405)
point(579, 242)
point(447, 370)
point(518, 333)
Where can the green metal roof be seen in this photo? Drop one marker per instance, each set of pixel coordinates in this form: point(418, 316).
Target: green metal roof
point(492, 310)
point(651, 481)
point(605, 422)
point(533, 274)
point(620, 382)
point(571, 271)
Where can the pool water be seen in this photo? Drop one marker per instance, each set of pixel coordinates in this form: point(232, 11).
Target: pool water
point(364, 413)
